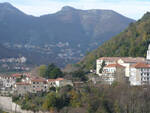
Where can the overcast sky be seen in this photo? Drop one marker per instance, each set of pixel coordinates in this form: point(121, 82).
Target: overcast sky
point(130, 8)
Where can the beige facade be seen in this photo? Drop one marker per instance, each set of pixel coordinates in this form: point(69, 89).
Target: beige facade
point(113, 72)
point(38, 85)
point(22, 88)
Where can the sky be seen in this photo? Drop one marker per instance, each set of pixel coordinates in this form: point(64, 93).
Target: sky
point(134, 9)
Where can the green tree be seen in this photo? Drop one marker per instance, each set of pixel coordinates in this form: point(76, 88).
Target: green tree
point(50, 101)
point(53, 72)
point(102, 66)
point(79, 74)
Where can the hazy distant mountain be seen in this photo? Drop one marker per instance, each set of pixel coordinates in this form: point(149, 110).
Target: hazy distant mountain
point(64, 36)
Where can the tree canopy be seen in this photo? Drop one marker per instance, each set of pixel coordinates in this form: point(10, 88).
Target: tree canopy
point(51, 71)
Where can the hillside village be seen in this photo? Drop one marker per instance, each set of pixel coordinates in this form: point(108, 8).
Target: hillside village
point(135, 71)
point(21, 84)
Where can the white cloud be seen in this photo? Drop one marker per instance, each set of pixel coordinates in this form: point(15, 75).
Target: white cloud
point(130, 8)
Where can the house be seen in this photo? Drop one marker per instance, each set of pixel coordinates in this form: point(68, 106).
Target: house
point(27, 78)
point(113, 72)
point(106, 60)
point(38, 84)
point(60, 82)
point(140, 74)
point(15, 76)
point(51, 82)
point(22, 88)
point(7, 81)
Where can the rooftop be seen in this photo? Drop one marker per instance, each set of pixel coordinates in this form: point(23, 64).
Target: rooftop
point(51, 80)
point(125, 59)
point(38, 79)
point(115, 65)
point(109, 58)
point(22, 83)
point(16, 75)
point(59, 79)
point(141, 65)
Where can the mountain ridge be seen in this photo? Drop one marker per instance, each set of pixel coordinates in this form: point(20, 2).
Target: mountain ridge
point(77, 31)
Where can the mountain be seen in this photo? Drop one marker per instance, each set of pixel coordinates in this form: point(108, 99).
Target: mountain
point(64, 36)
point(131, 42)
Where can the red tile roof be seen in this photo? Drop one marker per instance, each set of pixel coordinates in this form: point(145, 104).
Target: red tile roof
point(110, 58)
point(51, 80)
point(115, 65)
point(125, 59)
point(133, 60)
point(141, 65)
point(22, 83)
point(38, 79)
point(59, 79)
point(16, 75)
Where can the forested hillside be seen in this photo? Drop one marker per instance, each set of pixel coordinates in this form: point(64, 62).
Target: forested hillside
point(132, 42)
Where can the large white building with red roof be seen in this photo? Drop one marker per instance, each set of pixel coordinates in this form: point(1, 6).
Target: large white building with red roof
point(125, 61)
point(136, 69)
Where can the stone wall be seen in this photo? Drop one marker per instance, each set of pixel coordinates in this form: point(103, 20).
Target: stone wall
point(6, 104)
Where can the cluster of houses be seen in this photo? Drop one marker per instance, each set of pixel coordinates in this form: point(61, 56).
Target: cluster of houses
point(25, 83)
point(135, 71)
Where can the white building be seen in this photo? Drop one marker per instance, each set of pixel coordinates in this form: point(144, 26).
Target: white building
point(140, 74)
point(128, 61)
point(106, 60)
point(7, 81)
point(113, 72)
point(124, 61)
point(60, 82)
point(136, 69)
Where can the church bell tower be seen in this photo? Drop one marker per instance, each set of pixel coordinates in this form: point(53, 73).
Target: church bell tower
point(148, 53)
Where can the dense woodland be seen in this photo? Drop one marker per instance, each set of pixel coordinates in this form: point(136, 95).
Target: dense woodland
point(118, 98)
point(132, 42)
